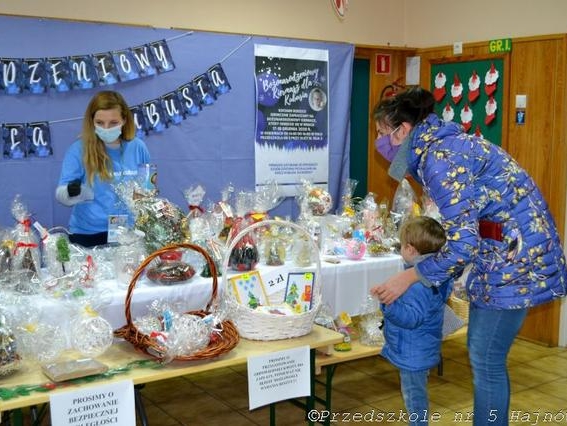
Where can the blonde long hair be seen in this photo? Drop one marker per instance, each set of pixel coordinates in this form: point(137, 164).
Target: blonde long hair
point(95, 157)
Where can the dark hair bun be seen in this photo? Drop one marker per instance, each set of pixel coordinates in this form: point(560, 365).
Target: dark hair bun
point(417, 102)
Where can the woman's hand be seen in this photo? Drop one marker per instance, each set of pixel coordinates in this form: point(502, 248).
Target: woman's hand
point(391, 289)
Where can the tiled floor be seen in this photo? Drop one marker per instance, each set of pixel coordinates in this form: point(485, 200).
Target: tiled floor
point(370, 386)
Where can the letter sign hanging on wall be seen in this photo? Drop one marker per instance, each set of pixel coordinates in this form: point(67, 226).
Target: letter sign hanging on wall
point(383, 63)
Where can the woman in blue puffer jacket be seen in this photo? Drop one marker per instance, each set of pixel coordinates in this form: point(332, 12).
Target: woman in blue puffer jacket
point(497, 223)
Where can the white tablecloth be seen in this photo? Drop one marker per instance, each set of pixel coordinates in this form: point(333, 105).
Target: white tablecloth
point(344, 287)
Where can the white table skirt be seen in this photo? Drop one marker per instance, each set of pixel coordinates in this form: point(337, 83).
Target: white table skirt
point(344, 287)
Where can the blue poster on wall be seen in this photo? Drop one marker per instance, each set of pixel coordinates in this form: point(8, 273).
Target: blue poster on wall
point(291, 117)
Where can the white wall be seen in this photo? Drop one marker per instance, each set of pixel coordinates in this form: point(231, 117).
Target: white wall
point(479, 20)
point(413, 23)
point(366, 23)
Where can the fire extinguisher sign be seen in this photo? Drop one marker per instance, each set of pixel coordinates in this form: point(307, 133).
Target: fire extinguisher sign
point(383, 63)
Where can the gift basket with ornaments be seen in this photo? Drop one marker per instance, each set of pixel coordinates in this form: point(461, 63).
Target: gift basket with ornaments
point(167, 343)
point(275, 302)
point(161, 221)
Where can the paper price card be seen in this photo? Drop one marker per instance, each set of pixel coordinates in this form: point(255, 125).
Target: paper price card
point(111, 404)
point(278, 376)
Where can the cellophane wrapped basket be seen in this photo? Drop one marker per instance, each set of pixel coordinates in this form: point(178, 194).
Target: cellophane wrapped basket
point(221, 343)
point(254, 324)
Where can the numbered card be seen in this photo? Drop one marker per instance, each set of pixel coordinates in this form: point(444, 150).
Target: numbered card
point(249, 289)
point(299, 291)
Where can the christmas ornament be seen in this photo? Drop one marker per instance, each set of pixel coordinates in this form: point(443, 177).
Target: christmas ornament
point(466, 117)
point(92, 335)
point(490, 109)
point(448, 112)
point(490, 80)
point(474, 87)
point(456, 89)
point(439, 91)
point(477, 132)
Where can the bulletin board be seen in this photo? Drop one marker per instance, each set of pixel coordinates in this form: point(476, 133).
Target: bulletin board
point(480, 111)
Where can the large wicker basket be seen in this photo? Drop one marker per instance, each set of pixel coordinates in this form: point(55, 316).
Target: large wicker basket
point(255, 325)
point(219, 344)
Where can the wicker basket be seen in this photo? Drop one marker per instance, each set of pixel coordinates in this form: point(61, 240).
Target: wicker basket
point(255, 325)
point(460, 306)
point(218, 345)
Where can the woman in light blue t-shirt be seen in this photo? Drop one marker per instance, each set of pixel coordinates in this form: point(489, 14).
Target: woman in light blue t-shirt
point(107, 153)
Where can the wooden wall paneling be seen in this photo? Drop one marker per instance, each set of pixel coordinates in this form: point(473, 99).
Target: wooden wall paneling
point(539, 71)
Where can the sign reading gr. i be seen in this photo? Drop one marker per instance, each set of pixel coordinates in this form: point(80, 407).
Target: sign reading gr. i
point(499, 46)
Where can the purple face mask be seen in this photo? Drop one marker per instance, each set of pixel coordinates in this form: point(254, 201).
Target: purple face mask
point(384, 146)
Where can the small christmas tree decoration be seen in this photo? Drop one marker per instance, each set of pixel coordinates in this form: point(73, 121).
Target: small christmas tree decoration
point(62, 252)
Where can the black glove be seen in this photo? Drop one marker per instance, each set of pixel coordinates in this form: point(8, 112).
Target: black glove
point(74, 188)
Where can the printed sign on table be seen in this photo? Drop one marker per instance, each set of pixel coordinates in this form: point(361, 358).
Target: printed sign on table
point(98, 405)
point(278, 376)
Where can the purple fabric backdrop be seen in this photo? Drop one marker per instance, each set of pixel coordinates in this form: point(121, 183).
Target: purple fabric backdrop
point(213, 148)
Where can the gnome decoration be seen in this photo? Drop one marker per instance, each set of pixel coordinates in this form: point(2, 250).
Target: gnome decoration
point(490, 80)
point(490, 109)
point(448, 112)
point(456, 89)
point(477, 132)
point(466, 117)
point(439, 91)
point(474, 87)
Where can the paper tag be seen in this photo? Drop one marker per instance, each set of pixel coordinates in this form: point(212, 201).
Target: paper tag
point(194, 196)
point(43, 234)
point(116, 221)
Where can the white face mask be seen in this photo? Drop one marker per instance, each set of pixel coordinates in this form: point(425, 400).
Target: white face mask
point(110, 135)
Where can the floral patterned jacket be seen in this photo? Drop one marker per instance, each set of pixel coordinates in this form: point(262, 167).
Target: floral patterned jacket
point(471, 179)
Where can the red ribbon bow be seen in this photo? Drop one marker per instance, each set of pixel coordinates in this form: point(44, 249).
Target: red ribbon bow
point(24, 245)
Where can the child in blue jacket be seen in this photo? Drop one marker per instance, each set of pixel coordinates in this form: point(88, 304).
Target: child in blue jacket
point(413, 323)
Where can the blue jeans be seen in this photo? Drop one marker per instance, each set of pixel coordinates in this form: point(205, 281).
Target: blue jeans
point(490, 336)
point(414, 391)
